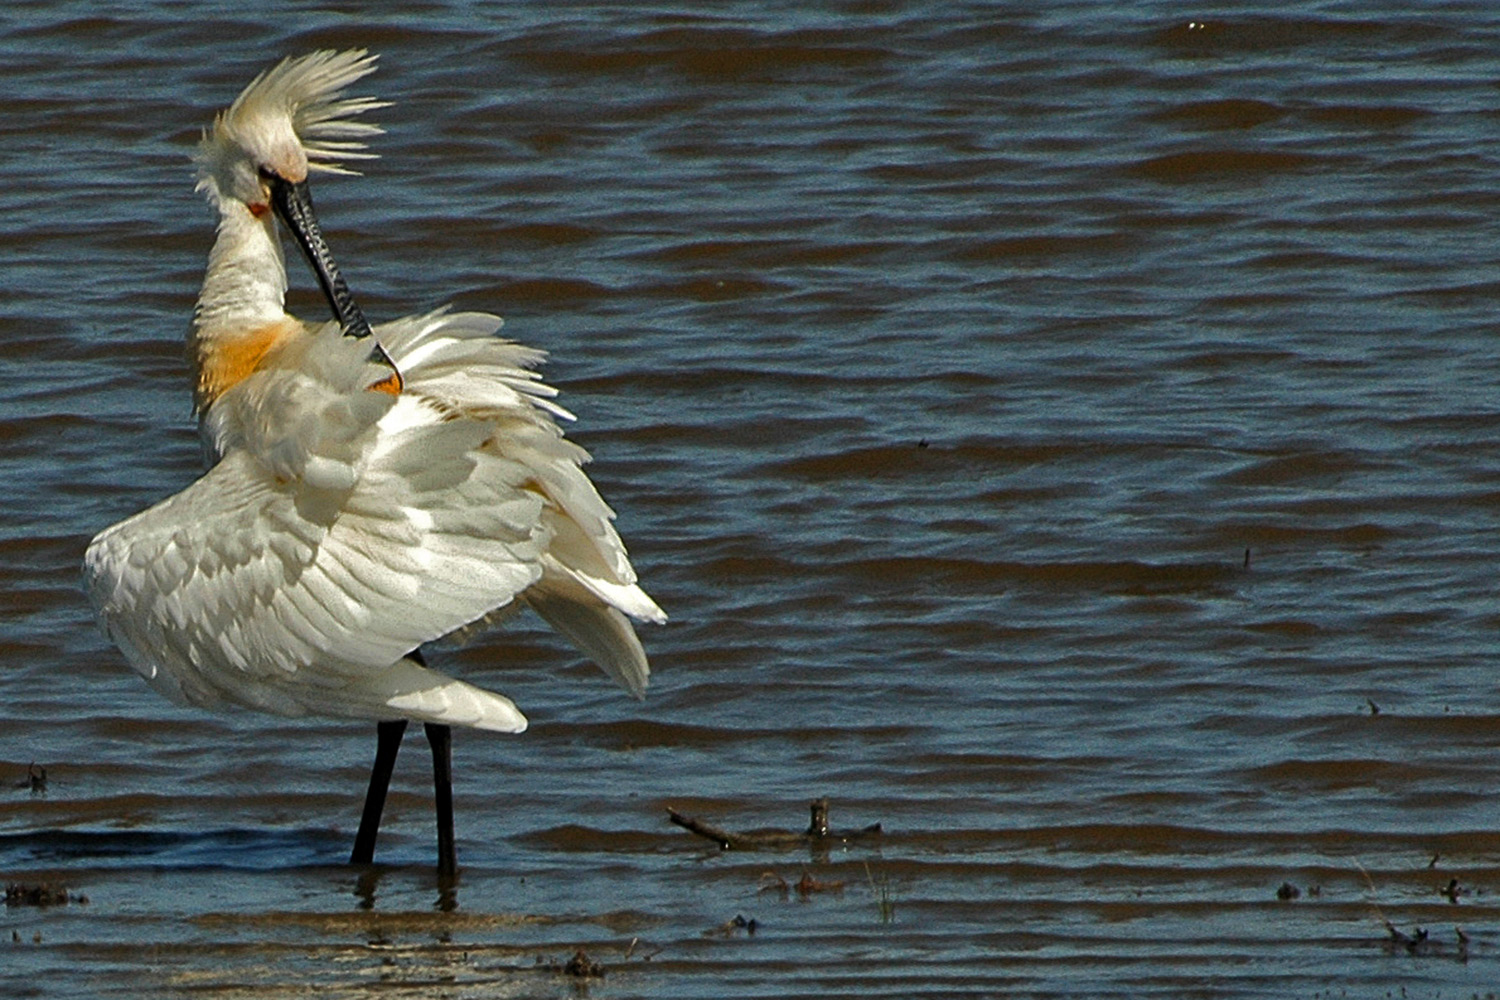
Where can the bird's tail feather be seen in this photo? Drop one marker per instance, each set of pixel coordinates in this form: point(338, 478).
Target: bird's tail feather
point(600, 631)
point(417, 692)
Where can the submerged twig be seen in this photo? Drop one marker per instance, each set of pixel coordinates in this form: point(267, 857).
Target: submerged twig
point(883, 896)
point(36, 779)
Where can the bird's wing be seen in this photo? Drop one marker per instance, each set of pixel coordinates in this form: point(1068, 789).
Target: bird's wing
point(320, 550)
point(587, 581)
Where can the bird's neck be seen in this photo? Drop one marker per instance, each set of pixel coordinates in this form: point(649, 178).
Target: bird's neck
point(241, 314)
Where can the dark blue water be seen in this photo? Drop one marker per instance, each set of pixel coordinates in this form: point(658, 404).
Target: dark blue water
point(1064, 434)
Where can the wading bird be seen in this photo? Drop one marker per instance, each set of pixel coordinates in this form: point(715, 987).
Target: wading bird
point(370, 490)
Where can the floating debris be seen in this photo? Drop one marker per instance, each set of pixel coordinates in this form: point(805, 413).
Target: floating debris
point(580, 967)
point(807, 885)
point(40, 894)
point(1412, 942)
point(35, 780)
point(1421, 943)
point(728, 927)
point(772, 882)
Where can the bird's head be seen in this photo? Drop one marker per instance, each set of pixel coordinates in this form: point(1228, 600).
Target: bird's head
point(291, 120)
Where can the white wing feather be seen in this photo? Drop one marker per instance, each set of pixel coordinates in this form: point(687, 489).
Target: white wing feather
point(587, 580)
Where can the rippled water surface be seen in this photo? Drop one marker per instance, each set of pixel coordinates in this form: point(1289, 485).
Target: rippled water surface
point(1065, 434)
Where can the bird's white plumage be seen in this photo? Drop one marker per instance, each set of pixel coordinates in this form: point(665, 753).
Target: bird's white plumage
point(342, 527)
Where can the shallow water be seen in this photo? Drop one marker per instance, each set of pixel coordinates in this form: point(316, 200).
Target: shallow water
point(1064, 434)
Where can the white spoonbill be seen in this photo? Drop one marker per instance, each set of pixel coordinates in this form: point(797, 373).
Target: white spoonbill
point(370, 490)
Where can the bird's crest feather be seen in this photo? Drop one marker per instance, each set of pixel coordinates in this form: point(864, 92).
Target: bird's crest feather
point(307, 91)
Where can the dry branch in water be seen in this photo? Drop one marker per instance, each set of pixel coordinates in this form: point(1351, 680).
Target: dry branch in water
point(817, 832)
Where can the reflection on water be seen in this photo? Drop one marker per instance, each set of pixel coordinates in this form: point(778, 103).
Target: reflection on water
point(1064, 436)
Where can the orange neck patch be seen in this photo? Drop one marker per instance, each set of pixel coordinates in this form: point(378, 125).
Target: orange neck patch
point(225, 359)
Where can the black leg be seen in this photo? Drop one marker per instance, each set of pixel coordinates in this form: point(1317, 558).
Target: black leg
point(389, 734)
point(441, 739)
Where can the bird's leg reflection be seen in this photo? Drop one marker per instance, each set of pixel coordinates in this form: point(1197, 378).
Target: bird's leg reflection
point(365, 886)
point(447, 899)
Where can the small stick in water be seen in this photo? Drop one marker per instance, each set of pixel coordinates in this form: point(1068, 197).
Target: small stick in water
point(817, 831)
